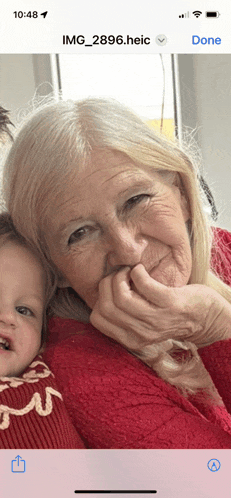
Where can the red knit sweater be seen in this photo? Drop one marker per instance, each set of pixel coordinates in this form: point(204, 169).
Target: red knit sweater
point(116, 401)
point(113, 399)
point(32, 413)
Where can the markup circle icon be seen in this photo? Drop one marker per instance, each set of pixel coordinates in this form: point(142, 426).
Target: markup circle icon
point(214, 465)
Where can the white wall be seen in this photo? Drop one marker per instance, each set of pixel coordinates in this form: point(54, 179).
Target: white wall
point(17, 82)
point(206, 105)
point(22, 76)
point(213, 88)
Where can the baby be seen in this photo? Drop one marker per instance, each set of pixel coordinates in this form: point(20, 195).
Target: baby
point(24, 291)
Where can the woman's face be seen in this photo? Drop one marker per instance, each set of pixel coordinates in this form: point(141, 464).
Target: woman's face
point(115, 215)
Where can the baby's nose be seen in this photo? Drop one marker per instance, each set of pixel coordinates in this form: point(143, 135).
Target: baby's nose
point(8, 317)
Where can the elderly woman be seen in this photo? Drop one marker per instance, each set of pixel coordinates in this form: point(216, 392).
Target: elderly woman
point(115, 211)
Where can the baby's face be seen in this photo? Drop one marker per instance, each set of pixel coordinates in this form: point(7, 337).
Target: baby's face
point(22, 295)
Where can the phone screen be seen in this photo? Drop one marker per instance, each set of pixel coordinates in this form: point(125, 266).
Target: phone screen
point(98, 412)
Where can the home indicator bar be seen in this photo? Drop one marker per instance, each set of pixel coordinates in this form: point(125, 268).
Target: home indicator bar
point(116, 492)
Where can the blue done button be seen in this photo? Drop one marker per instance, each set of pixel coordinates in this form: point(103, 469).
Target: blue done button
point(205, 41)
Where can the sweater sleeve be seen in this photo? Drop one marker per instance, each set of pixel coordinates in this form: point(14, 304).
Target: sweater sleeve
point(217, 360)
point(32, 412)
point(117, 402)
point(217, 356)
point(221, 254)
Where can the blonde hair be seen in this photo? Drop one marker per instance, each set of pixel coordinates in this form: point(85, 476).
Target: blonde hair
point(60, 137)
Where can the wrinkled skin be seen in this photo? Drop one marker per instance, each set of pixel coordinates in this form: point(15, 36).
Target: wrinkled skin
point(114, 215)
point(117, 232)
point(147, 312)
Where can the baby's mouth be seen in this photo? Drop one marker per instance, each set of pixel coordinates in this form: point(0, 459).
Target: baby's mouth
point(4, 344)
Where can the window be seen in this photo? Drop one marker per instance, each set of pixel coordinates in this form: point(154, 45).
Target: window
point(137, 81)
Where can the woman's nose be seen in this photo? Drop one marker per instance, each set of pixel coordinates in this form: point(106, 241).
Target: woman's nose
point(125, 248)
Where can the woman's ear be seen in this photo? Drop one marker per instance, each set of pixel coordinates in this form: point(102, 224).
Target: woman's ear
point(185, 207)
point(184, 203)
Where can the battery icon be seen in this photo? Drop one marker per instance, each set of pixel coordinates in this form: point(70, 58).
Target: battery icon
point(212, 14)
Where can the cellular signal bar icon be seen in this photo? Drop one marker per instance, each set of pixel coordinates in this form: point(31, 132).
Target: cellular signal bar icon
point(183, 16)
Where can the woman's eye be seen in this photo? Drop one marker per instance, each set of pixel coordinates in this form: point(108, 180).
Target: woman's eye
point(136, 199)
point(79, 234)
point(22, 310)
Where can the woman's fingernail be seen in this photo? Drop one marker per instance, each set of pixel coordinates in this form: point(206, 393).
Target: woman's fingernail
point(138, 266)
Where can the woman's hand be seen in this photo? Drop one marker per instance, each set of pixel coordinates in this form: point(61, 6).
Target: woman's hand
point(138, 311)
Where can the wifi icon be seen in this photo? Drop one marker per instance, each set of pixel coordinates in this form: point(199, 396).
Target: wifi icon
point(197, 13)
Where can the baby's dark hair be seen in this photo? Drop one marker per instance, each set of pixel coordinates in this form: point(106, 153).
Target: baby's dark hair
point(9, 233)
point(4, 123)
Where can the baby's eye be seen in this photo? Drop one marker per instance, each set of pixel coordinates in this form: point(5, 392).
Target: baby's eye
point(80, 234)
point(22, 310)
point(136, 199)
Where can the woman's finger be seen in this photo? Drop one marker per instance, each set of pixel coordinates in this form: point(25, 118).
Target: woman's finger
point(150, 289)
point(124, 296)
point(105, 301)
point(111, 329)
point(117, 303)
point(124, 306)
point(130, 302)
